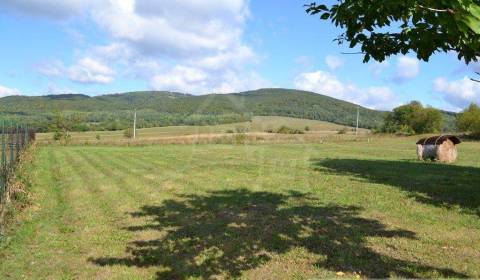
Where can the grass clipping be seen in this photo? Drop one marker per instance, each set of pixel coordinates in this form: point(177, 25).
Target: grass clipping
point(17, 196)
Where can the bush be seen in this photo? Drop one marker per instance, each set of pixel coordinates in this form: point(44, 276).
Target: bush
point(97, 136)
point(307, 128)
point(57, 135)
point(230, 131)
point(343, 131)
point(288, 130)
point(469, 120)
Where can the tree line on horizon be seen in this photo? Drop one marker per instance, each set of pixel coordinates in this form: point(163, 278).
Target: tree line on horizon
point(115, 112)
point(157, 109)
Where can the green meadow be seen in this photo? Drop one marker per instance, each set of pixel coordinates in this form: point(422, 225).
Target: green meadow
point(364, 208)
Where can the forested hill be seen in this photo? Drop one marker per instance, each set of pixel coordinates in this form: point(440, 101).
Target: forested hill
point(155, 108)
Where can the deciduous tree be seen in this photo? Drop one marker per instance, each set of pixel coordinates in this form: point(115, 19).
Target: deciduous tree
point(469, 120)
point(388, 27)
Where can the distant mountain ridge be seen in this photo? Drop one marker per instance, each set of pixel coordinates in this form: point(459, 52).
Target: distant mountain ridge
point(160, 108)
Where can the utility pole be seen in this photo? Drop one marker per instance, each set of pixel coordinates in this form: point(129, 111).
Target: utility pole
point(358, 116)
point(135, 124)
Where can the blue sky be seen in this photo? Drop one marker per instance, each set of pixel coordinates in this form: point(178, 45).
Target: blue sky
point(205, 46)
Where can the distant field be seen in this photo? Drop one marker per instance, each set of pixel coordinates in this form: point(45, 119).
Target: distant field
point(364, 208)
point(258, 125)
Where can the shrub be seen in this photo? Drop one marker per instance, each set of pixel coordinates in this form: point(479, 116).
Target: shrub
point(343, 131)
point(97, 136)
point(230, 131)
point(57, 135)
point(288, 130)
point(307, 128)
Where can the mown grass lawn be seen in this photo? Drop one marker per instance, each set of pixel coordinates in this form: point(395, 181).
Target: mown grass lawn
point(248, 211)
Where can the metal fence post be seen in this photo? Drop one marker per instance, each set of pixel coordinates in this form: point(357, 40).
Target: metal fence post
point(17, 141)
point(12, 145)
point(4, 159)
point(4, 147)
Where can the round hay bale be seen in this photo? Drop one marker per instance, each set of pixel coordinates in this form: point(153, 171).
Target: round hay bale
point(438, 148)
point(429, 152)
point(420, 151)
point(447, 152)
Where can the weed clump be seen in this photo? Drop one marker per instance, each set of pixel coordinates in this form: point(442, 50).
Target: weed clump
point(288, 130)
point(343, 131)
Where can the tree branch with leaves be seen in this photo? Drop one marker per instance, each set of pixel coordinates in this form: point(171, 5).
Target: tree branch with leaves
point(390, 27)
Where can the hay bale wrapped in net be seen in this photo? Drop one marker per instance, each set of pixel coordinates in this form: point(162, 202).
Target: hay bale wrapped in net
point(438, 148)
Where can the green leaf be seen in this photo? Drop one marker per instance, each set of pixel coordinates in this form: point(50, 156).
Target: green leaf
point(472, 22)
point(472, 18)
point(325, 16)
point(322, 7)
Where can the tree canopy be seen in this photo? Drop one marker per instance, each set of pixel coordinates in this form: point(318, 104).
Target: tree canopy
point(469, 120)
point(413, 118)
point(390, 27)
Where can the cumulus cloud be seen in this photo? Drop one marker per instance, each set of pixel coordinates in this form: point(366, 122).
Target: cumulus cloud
point(333, 62)
point(328, 84)
point(458, 93)
point(5, 91)
point(198, 81)
point(86, 70)
point(156, 39)
point(407, 69)
point(52, 9)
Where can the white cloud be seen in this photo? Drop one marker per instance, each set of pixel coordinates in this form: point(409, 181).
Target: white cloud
point(52, 9)
point(154, 39)
point(328, 84)
point(407, 69)
point(176, 28)
point(5, 91)
point(87, 70)
point(458, 93)
point(198, 81)
point(333, 62)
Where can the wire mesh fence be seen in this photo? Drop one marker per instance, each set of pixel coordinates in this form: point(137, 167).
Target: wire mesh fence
point(14, 139)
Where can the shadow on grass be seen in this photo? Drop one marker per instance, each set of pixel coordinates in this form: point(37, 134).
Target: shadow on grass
point(436, 184)
point(227, 232)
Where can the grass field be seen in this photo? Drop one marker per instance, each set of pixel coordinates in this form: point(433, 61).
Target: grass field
point(248, 211)
point(257, 125)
